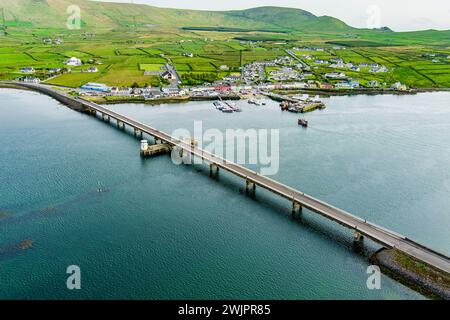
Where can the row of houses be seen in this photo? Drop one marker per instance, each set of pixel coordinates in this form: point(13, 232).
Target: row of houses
point(156, 92)
point(337, 63)
point(30, 79)
point(351, 84)
point(249, 88)
point(147, 92)
point(256, 71)
point(72, 62)
point(285, 74)
point(318, 49)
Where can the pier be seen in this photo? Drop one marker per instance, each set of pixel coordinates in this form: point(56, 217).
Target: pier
point(279, 97)
point(299, 200)
point(151, 150)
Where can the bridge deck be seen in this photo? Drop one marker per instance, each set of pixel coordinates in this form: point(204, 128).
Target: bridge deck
point(378, 234)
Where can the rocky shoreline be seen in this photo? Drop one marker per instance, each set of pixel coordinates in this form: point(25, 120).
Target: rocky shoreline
point(423, 278)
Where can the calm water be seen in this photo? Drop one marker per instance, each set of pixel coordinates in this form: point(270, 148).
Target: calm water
point(162, 231)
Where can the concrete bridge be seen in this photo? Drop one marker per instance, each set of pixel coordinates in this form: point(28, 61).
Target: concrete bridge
point(299, 200)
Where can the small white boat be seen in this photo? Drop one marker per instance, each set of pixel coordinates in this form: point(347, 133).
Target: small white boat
point(233, 106)
point(227, 109)
point(236, 108)
point(257, 102)
point(219, 105)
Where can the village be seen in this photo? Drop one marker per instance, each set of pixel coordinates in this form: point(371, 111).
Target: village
point(296, 70)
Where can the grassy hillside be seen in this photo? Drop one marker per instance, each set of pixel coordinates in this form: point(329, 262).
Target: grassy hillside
point(130, 39)
point(52, 13)
point(103, 16)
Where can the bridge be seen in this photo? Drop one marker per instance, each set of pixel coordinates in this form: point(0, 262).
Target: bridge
point(361, 228)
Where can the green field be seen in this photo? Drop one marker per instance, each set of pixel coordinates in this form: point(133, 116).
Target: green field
point(206, 46)
point(123, 63)
point(151, 66)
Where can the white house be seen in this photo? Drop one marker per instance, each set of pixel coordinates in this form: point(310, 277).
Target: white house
point(54, 70)
point(335, 75)
point(379, 69)
point(92, 69)
point(168, 75)
point(34, 80)
point(27, 70)
point(399, 86)
point(117, 91)
point(74, 62)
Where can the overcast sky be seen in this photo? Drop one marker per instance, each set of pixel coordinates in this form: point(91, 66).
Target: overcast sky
point(400, 15)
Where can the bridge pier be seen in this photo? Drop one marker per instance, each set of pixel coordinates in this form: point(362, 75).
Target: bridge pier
point(297, 208)
point(250, 187)
point(120, 125)
point(213, 170)
point(358, 237)
point(105, 117)
point(137, 133)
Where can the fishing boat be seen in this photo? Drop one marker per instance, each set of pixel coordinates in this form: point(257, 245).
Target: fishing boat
point(293, 109)
point(219, 105)
point(233, 106)
point(284, 105)
point(227, 109)
point(236, 108)
point(257, 102)
point(303, 123)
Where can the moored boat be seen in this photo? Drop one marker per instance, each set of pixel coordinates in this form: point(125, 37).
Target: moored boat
point(219, 105)
point(233, 106)
point(227, 109)
point(303, 123)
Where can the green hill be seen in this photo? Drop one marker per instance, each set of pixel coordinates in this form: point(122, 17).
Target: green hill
point(291, 19)
point(104, 15)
